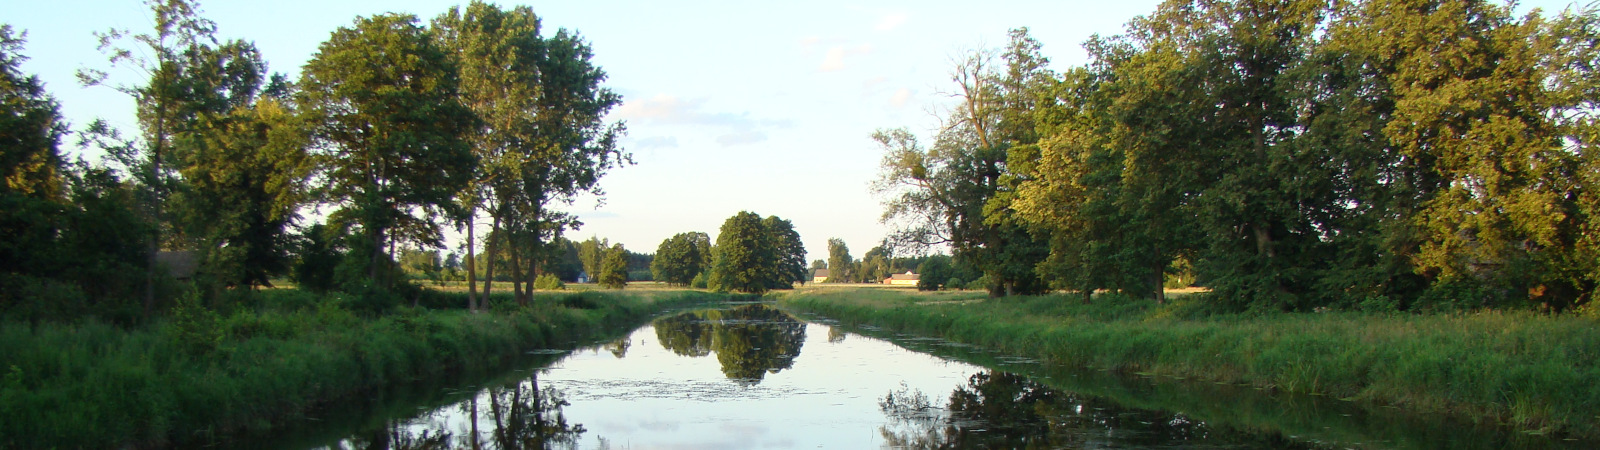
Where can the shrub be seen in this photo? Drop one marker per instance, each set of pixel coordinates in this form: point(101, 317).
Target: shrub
point(953, 283)
point(549, 282)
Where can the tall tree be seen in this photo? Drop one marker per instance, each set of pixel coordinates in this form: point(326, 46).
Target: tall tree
point(957, 191)
point(756, 255)
point(545, 139)
point(164, 107)
point(30, 127)
point(744, 259)
point(789, 253)
point(388, 121)
point(243, 164)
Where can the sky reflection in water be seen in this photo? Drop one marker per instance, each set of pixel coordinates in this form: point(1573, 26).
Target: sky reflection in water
point(751, 376)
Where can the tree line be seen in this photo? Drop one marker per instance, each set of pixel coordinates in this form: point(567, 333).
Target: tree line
point(398, 127)
point(751, 254)
point(1291, 154)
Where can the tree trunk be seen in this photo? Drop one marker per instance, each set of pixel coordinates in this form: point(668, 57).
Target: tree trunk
point(512, 253)
point(472, 261)
point(489, 248)
point(377, 255)
point(1087, 295)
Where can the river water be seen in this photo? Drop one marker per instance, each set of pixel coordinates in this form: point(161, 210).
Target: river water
point(752, 376)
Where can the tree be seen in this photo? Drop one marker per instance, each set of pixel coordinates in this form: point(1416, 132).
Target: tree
point(165, 105)
point(756, 255)
point(544, 139)
point(243, 163)
point(788, 251)
point(30, 127)
point(957, 192)
point(934, 272)
point(614, 268)
point(592, 252)
point(386, 117)
point(680, 258)
point(841, 267)
point(743, 260)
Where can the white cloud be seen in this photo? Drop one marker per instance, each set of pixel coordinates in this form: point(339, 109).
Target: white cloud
point(741, 137)
point(669, 110)
point(889, 22)
point(658, 142)
point(833, 60)
point(900, 98)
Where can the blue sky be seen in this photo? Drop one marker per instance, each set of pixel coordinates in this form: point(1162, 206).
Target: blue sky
point(730, 106)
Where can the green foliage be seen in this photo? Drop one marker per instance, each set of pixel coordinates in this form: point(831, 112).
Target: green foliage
point(1293, 156)
point(93, 385)
point(549, 282)
point(934, 269)
point(701, 281)
point(592, 252)
point(542, 139)
point(614, 268)
point(841, 267)
point(385, 73)
point(194, 329)
point(30, 127)
point(755, 255)
point(321, 249)
point(681, 258)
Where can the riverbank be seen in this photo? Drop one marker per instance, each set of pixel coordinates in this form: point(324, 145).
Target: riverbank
point(198, 375)
point(1534, 372)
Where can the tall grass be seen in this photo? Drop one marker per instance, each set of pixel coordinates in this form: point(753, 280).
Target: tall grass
point(199, 375)
point(1535, 372)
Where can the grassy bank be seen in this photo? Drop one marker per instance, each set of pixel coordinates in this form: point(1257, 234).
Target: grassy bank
point(1535, 372)
point(198, 375)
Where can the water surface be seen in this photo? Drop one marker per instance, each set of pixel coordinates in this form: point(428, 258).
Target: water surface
point(752, 376)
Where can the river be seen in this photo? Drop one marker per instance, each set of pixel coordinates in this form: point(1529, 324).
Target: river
point(752, 376)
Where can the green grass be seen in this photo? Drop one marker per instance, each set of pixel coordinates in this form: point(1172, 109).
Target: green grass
point(1536, 372)
point(198, 376)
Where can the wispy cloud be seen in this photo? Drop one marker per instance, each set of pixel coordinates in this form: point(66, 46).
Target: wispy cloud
point(664, 109)
point(833, 60)
point(892, 20)
point(658, 142)
point(900, 98)
point(741, 137)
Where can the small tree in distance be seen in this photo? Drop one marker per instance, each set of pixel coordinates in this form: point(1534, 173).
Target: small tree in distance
point(614, 268)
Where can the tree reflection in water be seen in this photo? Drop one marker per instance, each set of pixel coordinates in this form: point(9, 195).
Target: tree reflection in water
point(518, 416)
point(750, 340)
point(1004, 410)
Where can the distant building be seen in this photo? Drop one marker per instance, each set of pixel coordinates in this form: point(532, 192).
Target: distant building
point(902, 279)
point(181, 265)
point(583, 277)
point(819, 275)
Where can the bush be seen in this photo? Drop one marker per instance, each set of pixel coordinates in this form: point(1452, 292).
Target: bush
point(953, 283)
point(699, 281)
point(549, 282)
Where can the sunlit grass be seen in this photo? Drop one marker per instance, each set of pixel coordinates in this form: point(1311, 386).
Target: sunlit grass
point(92, 385)
point(1537, 372)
